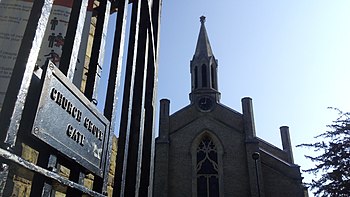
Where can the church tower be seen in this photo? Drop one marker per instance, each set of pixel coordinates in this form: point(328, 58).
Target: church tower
point(207, 149)
point(204, 83)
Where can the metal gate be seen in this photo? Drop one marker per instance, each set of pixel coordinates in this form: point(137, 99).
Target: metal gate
point(44, 111)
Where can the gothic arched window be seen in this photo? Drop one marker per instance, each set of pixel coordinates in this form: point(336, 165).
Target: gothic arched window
point(195, 77)
point(213, 84)
point(207, 169)
point(204, 76)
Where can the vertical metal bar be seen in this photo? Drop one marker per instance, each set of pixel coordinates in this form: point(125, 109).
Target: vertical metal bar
point(148, 141)
point(113, 87)
point(156, 12)
point(150, 99)
point(40, 186)
point(7, 184)
point(52, 164)
point(16, 96)
point(76, 175)
point(73, 38)
point(98, 48)
point(134, 156)
point(116, 63)
point(126, 119)
point(143, 148)
point(107, 163)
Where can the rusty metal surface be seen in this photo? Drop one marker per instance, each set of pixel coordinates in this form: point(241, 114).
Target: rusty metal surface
point(67, 121)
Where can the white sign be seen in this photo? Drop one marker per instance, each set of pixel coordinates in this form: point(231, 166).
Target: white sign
point(13, 20)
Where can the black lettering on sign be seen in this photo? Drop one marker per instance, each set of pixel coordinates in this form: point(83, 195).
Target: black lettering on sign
point(66, 105)
point(98, 133)
point(75, 135)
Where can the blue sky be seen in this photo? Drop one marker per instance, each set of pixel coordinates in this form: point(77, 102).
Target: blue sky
point(291, 57)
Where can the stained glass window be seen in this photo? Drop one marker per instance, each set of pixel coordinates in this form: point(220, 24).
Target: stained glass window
point(207, 169)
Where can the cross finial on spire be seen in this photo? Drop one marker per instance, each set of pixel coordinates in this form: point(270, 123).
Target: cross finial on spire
point(202, 19)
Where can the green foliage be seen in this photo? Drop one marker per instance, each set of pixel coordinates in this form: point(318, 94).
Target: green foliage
point(332, 164)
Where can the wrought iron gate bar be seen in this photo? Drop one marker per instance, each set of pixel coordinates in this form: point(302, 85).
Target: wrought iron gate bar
point(73, 38)
point(98, 47)
point(20, 81)
point(150, 98)
point(127, 106)
point(28, 165)
point(133, 170)
point(116, 63)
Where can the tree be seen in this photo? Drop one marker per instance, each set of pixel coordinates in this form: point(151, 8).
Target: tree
point(332, 164)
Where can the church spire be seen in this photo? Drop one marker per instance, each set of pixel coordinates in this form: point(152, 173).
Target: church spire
point(203, 45)
point(204, 68)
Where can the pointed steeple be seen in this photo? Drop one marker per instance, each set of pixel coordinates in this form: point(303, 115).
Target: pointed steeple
point(204, 68)
point(203, 46)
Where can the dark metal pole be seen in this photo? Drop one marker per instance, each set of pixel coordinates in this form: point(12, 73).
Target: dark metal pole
point(73, 38)
point(132, 113)
point(113, 87)
point(22, 73)
point(126, 119)
point(148, 149)
point(98, 48)
point(256, 156)
point(138, 109)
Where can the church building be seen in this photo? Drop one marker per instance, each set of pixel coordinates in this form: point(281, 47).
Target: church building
point(207, 149)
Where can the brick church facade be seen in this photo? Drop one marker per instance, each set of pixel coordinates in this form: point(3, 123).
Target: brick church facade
point(208, 149)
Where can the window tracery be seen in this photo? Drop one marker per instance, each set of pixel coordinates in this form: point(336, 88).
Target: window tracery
point(207, 169)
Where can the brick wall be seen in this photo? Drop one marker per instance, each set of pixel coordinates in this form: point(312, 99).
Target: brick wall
point(23, 179)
